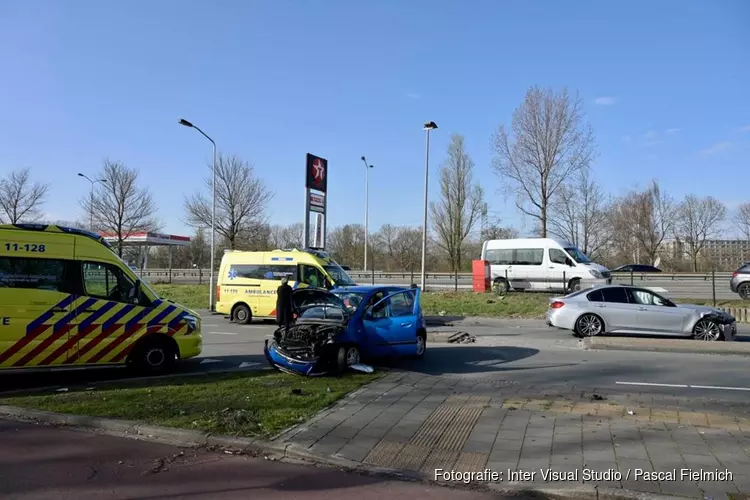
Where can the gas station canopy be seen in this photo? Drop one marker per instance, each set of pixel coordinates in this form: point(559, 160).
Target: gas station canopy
point(149, 239)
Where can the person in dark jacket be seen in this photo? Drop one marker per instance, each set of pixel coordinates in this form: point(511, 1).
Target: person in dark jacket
point(284, 304)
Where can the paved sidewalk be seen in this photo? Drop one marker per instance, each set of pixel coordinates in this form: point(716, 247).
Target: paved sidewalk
point(422, 423)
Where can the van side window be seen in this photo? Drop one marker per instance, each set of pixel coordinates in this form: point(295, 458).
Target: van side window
point(557, 256)
point(104, 281)
point(262, 272)
point(498, 256)
point(529, 257)
point(35, 274)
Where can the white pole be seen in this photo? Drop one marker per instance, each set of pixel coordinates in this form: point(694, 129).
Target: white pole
point(367, 211)
point(424, 229)
point(211, 295)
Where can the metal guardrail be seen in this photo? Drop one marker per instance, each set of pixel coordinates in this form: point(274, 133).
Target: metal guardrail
point(202, 275)
point(678, 285)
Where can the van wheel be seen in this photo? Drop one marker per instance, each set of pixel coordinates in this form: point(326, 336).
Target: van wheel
point(500, 286)
point(574, 285)
point(241, 314)
point(154, 356)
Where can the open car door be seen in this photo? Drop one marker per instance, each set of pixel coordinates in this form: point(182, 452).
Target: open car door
point(392, 324)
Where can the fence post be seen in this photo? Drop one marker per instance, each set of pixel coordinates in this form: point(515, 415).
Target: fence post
point(507, 283)
point(170, 275)
point(631, 277)
point(713, 286)
point(565, 283)
point(455, 272)
point(200, 276)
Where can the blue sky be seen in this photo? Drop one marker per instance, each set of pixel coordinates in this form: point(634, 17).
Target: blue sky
point(665, 85)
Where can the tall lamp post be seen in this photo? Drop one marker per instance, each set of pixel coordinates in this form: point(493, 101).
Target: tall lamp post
point(367, 207)
point(211, 304)
point(91, 202)
point(427, 127)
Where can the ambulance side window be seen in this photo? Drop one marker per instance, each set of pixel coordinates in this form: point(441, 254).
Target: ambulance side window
point(34, 274)
point(104, 281)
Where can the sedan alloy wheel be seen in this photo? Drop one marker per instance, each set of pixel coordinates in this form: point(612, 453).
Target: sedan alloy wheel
point(707, 330)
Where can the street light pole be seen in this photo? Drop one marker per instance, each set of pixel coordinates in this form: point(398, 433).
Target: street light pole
point(367, 208)
point(91, 200)
point(427, 127)
point(211, 303)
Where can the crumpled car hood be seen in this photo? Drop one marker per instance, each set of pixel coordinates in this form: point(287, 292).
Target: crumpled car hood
point(706, 310)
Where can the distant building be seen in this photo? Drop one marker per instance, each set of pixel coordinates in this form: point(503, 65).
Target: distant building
point(721, 255)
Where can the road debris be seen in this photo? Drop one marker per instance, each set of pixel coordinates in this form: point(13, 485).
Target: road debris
point(461, 338)
point(361, 367)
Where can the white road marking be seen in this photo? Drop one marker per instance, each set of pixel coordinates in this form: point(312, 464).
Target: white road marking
point(222, 333)
point(687, 386)
point(245, 364)
point(210, 361)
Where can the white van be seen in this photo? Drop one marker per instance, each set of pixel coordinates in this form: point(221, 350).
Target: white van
point(541, 264)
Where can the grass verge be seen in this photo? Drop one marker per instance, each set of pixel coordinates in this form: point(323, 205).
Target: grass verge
point(513, 305)
point(253, 404)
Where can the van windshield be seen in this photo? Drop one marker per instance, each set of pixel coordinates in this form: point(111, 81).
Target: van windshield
point(577, 255)
point(339, 276)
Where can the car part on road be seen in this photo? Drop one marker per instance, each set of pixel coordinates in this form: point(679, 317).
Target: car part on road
point(360, 367)
point(461, 338)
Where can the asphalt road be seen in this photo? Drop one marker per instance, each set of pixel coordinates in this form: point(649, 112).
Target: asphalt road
point(54, 463)
point(519, 352)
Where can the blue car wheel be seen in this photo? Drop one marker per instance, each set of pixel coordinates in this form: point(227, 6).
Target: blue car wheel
point(346, 357)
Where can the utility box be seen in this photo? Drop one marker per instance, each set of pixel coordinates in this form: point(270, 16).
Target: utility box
point(481, 275)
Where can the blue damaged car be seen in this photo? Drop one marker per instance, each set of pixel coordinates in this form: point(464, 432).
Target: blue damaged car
point(335, 329)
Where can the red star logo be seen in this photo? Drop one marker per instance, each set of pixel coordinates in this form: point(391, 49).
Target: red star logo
point(319, 170)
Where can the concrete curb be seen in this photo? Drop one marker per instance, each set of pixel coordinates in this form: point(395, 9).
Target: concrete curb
point(293, 453)
point(666, 345)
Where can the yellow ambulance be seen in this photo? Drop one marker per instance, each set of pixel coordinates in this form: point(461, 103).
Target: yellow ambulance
point(247, 283)
point(68, 300)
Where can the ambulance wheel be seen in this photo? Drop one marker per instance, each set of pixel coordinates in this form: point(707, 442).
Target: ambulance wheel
point(154, 355)
point(241, 314)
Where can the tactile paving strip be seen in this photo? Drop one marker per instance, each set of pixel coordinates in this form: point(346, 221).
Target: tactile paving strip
point(439, 459)
point(411, 457)
point(384, 453)
point(471, 462)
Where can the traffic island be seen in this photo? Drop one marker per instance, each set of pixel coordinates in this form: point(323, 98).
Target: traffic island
point(681, 345)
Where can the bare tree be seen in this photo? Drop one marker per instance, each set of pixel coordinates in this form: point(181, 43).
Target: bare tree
point(461, 202)
point(550, 142)
point(642, 220)
point(346, 244)
point(21, 199)
point(742, 220)
point(407, 247)
point(579, 214)
point(291, 236)
point(698, 220)
point(385, 240)
point(241, 201)
point(119, 206)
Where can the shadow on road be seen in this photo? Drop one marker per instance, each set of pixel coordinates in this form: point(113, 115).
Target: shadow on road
point(442, 320)
point(468, 359)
